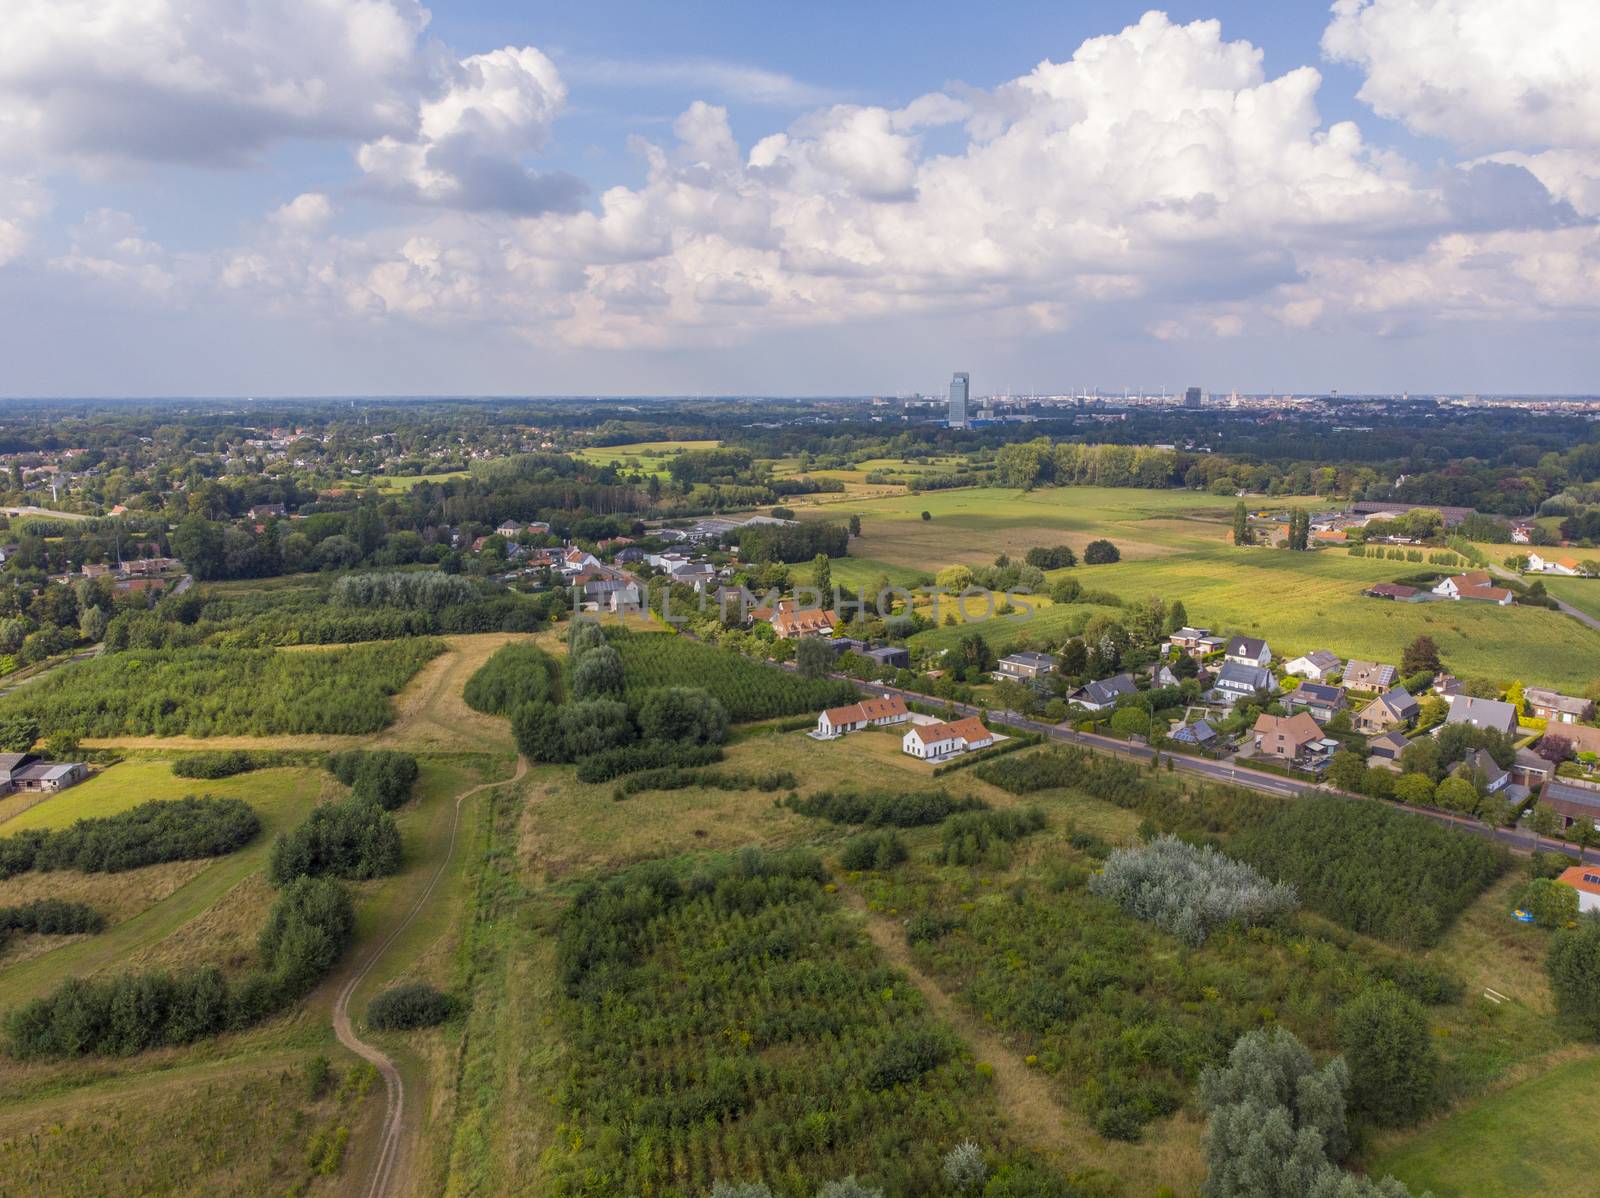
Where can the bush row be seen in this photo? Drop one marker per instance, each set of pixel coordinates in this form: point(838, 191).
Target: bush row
point(153, 832)
point(880, 809)
point(676, 778)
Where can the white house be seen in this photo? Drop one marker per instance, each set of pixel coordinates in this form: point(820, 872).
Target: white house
point(1236, 681)
point(1474, 584)
point(1319, 665)
point(869, 713)
point(1249, 651)
point(1567, 567)
point(933, 741)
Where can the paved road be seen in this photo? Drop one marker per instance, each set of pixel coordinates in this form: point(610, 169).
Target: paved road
point(1517, 839)
point(1581, 616)
point(390, 1162)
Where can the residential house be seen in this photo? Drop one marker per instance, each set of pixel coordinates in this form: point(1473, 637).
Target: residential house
point(1164, 677)
point(891, 657)
point(1386, 747)
point(1249, 651)
point(613, 594)
point(1200, 734)
point(1585, 879)
point(1369, 676)
point(1395, 708)
point(846, 644)
point(791, 621)
point(1557, 709)
point(698, 575)
point(1531, 770)
point(1479, 762)
point(263, 511)
point(1483, 713)
point(1575, 802)
point(1098, 696)
point(1522, 532)
point(1285, 738)
point(1236, 681)
point(1188, 640)
point(933, 741)
point(1320, 702)
point(1319, 665)
point(576, 561)
point(868, 713)
point(630, 556)
point(1566, 567)
point(1025, 665)
point(1447, 685)
point(508, 529)
point(1473, 585)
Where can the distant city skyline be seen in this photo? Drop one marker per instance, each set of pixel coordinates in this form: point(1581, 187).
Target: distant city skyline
point(369, 197)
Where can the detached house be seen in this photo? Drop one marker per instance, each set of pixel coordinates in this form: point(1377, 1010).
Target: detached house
point(1320, 702)
point(1236, 681)
point(1557, 709)
point(1098, 696)
point(1474, 585)
point(1249, 651)
point(1483, 713)
point(1567, 567)
point(790, 621)
point(1285, 738)
point(1319, 665)
point(869, 713)
point(1393, 709)
point(1196, 642)
point(1369, 676)
point(1023, 666)
point(933, 741)
point(1479, 762)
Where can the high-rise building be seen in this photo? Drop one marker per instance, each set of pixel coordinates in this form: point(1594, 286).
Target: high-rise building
point(1191, 397)
point(960, 384)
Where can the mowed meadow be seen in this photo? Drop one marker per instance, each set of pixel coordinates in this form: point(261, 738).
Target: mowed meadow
point(1178, 545)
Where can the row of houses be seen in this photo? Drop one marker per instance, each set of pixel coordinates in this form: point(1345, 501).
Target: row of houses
point(927, 739)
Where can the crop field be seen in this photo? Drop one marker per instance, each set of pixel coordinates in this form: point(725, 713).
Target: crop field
point(1177, 545)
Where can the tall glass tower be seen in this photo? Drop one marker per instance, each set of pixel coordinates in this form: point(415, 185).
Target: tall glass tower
point(960, 382)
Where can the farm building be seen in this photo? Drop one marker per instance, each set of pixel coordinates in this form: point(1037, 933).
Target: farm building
point(868, 713)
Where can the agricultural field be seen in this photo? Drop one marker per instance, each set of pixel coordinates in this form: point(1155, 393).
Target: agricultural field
point(215, 692)
point(1178, 545)
point(648, 457)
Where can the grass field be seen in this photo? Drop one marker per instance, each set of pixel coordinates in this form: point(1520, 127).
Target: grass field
point(1177, 545)
point(1533, 1138)
point(647, 457)
point(1582, 593)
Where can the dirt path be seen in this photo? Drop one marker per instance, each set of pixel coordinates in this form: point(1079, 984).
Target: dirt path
point(1022, 1092)
point(390, 1165)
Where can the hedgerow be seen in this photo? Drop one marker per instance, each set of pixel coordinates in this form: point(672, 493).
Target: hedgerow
point(49, 917)
point(355, 839)
point(215, 764)
point(218, 692)
point(645, 755)
point(880, 809)
point(515, 675)
point(676, 778)
point(153, 832)
point(309, 927)
point(1388, 873)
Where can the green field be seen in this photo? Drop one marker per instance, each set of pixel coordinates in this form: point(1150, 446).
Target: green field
point(1177, 545)
point(648, 456)
point(1582, 593)
point(1533, 1138)
point(133, 782)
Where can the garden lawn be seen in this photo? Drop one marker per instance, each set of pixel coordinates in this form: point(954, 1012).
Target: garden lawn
point(1533, 1138)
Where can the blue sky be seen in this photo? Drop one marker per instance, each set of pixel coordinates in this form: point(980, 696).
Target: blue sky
point(492, 197)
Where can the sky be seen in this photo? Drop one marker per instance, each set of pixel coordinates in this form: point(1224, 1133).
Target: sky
point(318, 197)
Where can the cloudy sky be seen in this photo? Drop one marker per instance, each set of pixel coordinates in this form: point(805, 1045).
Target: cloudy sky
point(221, 197)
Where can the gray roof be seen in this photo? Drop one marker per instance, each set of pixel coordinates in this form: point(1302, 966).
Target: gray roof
point(1316, 694)
point(1558, 702)
point(1195, 733)
point(1037, 661)
point(1240, 676)
point(1323, 659)
point(1571, 792)
point(1398, 700)
point(1107, 690)
point(1247, 646)
point(1482, 713)
point(1377, 673)
point(1394, 740)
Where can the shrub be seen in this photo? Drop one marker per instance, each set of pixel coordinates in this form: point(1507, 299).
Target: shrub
point(975, 836)
point(153, 832)
point(354, 839)
point(876, 809)
point(646, 755)
point(216, 764)
point(402, 1008)
point(964, 1168)
point(1552, 904)
point(849, 1187)
point(683, 715)
point(1100, 553)
point(597, 674)
point(1189, 891)
point(1574, 968)
point(381, 776)
point(571, 731)
point(873, 850)
point(1029, 1179)
point(515, 675)
point(747, 1189)
point(907, 1055)
point(1393, 1067)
